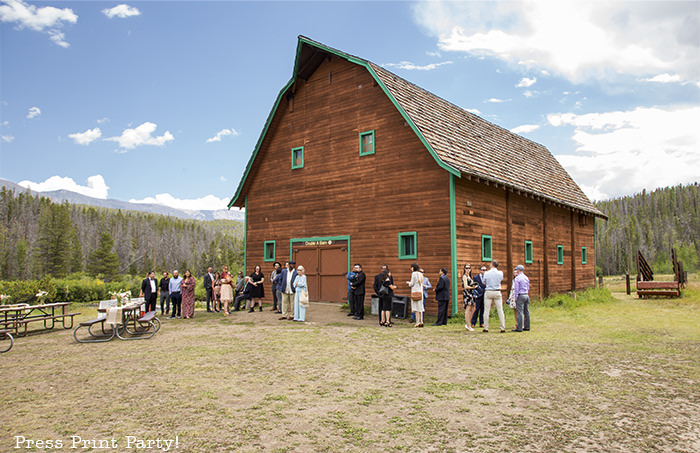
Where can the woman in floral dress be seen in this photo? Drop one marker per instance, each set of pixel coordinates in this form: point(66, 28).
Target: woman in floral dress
point(187, 288)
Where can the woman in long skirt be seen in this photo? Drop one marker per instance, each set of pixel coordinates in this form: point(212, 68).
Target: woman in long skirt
point(226, 289)
point(416, 284)
point(187, 288)
point(300, 284)
point(217, 292)
point(385, 298)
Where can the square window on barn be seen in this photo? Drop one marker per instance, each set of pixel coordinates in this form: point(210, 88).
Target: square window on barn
point(528, 252)
point(366, 143)
point(584, 255)
point(560, 254)
point(408, 246)
point(270, 251)
point(486, 248)
point(297, 158)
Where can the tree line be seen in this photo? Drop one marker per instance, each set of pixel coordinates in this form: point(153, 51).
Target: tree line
point(652, 222)
point(39, 237)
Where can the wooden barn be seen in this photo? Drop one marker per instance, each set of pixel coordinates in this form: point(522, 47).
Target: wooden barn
point(357, 165)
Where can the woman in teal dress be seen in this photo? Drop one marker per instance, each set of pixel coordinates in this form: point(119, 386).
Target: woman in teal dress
point(300, 284)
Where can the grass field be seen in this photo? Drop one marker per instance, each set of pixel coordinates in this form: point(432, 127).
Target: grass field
point(605, 373)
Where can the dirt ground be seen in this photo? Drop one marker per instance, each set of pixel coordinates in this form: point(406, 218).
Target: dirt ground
point(620, 376)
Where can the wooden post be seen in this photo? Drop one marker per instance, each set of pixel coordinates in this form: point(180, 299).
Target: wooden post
point(509, 245)
point(627, 278)
point(600, 281)
point(573, 252)
point(545, 249)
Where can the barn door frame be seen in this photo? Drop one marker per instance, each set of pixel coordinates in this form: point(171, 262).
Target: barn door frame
point(319, 239)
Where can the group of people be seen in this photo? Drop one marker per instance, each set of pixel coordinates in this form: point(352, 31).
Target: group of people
point(226, 293)
point(484, 290)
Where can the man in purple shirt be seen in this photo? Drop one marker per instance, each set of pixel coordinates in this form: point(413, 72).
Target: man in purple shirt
point(521, 290)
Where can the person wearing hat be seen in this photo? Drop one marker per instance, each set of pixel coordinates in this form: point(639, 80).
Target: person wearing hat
point(521, 290)
point(287, 278)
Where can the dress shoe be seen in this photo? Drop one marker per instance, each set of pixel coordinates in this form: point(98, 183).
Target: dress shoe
point(516, 330)
point(282, 318)
point(436, 324)
point(278, 312)
point(251, 310)
point(261, 308)
point(485, 330)
point(526, 330)
point(358, 317)
point(289, 318)
point(351, 314)
point(209, 310)
point(503, 330)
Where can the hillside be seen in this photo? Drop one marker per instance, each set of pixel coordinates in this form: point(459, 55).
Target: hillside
point(652, 222)
point(39, 237)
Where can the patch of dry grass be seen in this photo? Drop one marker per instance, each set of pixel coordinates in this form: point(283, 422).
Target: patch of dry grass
point(620, 376)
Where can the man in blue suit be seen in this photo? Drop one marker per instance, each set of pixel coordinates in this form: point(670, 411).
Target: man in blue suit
point(286, 283)
point(479, 298)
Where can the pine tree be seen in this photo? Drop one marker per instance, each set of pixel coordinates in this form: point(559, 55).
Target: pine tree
point(103, 260)
point(53, 245)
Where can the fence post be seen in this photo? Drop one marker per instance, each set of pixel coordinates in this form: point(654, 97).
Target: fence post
point(627, 277)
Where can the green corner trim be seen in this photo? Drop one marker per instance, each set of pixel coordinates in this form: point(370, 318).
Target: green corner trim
point(453, 244)
point(319, 238)
point(245, 236)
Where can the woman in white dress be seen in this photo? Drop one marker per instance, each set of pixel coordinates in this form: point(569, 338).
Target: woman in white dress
point(416, 284)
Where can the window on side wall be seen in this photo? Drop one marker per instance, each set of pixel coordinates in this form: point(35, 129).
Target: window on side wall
point(486, 248)
point(408, 246)
point(584, 255)
point(297, 157)
point(366, 143)
point(528, 252)
point(560, 254)
point(270, 251)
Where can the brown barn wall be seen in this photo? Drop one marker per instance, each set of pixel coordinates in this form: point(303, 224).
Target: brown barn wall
point(371, 198)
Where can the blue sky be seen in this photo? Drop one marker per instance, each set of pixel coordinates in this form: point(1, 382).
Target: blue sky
point(164, 101)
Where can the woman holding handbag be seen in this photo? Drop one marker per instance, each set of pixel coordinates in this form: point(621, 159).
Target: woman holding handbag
point(468, 287)
point(416, 284)
point(386, 295)
point(301, 296)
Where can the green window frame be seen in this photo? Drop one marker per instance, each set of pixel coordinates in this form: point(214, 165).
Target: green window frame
point(486, 248)
point(408, 245)
point(528, 252)
point(560, 254)
point(297, 158)
point(270, 251)
point(367, 143)
point(584, 255)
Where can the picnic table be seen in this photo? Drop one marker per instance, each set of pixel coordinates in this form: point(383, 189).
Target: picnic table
point(119, 319)
point(14, 317)
point(6, 335)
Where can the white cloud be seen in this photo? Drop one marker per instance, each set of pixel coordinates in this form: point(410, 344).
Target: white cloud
point(141, 135)
point(208, 203)
point(223, 178)
point(121, 11)
point(496, 100)
point(33, 112)
point(664, 78)
point(46, 19)
point(407, 65)
point(525, 82)
point(223, 133)
point(525, 128)
point(87, 137)
point(578, 40)
point(474, 111)
point(95, 188)
point(103, 120)
point(623, 152)
point(7, 138)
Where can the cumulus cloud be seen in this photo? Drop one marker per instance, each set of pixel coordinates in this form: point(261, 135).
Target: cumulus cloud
point(407, 65)
point(664, 78)
point(95, 188)
point(87, 137)
point(525, 82)
point(46, 19)
point(121, 11)
point(103, 120)
point(33, 112)
point(7, 138)
point(525, 128)
point(623, 152)
point(141, 135)
point(578, 40)
point(207, 203)
point(222, 133)
point(496, 100)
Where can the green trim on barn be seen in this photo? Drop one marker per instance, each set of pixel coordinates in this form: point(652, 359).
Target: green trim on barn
point(245, 236)
point(374, 143)
point(403, 253)
point(453, 244)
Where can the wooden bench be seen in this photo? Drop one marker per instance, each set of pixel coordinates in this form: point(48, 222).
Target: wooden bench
point(6, 334)
point(658, 289)
point(18, 323)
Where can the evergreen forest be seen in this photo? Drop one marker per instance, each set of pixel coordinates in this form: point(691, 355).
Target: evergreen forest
point(652, 222)
point(41, 238)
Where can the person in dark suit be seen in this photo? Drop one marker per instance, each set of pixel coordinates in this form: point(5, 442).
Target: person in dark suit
point(377, 286)
point(479, 298)
point(208, 280)
point(442, 295)
point(149, 291)
point(358, 289)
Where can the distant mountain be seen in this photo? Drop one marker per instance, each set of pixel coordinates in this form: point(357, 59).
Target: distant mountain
point(59, 196)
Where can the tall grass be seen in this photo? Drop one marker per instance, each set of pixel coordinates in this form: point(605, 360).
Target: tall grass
point(575, 300)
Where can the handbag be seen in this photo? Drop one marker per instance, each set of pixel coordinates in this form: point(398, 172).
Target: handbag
point(416, 296)
point(384, 290)
point(304, 298)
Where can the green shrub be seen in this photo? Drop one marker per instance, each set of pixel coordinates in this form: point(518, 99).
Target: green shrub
point(25, 291)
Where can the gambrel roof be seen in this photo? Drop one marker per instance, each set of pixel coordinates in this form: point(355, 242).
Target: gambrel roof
point(462, 143)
